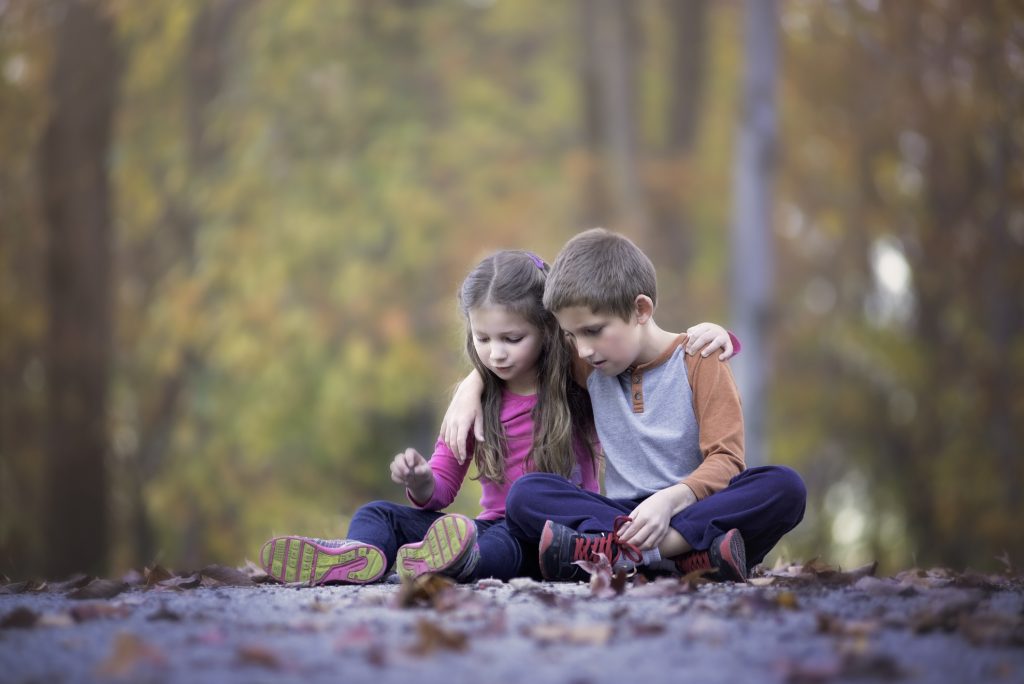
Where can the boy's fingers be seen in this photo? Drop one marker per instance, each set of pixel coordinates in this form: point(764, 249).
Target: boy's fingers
point(478, 427)
point(460, 444)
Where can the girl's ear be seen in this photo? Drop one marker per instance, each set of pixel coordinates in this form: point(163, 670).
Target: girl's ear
point(643, 308)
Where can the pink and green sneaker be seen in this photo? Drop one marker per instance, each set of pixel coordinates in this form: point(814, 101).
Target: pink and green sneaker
point(448, 548)
point(318, 561)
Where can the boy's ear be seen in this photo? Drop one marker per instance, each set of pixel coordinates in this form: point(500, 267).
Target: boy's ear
point(643, 308)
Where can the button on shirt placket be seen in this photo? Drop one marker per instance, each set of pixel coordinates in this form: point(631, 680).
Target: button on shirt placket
point(637, 390)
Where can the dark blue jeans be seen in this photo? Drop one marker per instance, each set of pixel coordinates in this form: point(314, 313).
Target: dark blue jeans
point(763, 503)
point(388, 525)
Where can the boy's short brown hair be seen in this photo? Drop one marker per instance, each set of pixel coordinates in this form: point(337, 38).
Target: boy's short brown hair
point(602, 270)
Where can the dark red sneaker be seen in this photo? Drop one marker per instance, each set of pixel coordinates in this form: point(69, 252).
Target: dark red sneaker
point(727, 559)
point(561, 547)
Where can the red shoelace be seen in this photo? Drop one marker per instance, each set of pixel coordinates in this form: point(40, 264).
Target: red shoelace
point(587, 548)
point(694, 560)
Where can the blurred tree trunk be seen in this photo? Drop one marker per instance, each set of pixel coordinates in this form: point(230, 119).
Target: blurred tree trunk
point(672, 230)
point(610, 111)
point(752, 250)
point(77, 200)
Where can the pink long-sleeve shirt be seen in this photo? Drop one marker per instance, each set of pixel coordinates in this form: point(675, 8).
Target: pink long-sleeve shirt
point(516, 417)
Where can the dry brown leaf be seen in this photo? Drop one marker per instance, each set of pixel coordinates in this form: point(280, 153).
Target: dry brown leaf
point(221, 576)
point(257, 574)
point(155, 575)
point(19, 618)
point(260, 656)
point(425, 590)
point(96, 611)
point(432, 637)
point(130, 652)
point(98, 589)
point(185, 582)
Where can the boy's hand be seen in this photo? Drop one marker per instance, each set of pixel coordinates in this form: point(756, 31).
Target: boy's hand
point(651, 518)
point(710, 337)
point(410, 469)
point(464, 413)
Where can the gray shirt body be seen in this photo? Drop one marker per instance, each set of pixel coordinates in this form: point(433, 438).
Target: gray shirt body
point(655, 447)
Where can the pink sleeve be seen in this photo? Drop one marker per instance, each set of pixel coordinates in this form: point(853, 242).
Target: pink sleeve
point(736, 346)
point(448, 477)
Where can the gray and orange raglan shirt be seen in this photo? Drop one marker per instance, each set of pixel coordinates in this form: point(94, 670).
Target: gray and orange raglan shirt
point(676, 419)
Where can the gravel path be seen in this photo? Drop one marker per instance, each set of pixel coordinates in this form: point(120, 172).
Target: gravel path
point(916, 629)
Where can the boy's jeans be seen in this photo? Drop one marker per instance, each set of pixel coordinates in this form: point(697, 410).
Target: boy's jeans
point(763, 503)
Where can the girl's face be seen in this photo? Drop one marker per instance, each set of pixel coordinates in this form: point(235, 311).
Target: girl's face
point(508, 345)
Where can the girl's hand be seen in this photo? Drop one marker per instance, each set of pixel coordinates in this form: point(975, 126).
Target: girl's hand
point(464, 413)
point(710, 337)
point(410, 469)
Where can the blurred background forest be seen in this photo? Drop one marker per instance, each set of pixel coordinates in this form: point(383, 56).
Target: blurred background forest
point(231, 232)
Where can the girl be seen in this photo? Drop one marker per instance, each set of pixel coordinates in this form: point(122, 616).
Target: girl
point(535, 418)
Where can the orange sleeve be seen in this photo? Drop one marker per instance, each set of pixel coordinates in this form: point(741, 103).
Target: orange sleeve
point(719, 412)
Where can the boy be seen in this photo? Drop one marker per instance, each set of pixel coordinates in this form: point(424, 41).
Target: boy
point(671, 426)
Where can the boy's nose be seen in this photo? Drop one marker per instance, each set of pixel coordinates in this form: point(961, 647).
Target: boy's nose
point(585, 351)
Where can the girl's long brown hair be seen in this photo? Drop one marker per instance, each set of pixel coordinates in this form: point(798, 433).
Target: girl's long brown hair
point(515, 280)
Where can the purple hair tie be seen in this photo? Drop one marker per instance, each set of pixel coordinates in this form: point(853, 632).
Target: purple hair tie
point(537, 260)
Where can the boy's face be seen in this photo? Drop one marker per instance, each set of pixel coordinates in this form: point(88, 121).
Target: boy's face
point(605, 341)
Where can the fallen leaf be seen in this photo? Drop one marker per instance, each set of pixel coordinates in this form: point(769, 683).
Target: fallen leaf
point(156, 575)
point(74, 582)
point(432, 637)
point(96, 611)
point(619, 581)
point(259, 656)
point(761, 581)
point(218, 575)
point(98, 589)
point(257, 574)
point(19, 618)
point(129, 652)
point(179, 583)
point(425, 590)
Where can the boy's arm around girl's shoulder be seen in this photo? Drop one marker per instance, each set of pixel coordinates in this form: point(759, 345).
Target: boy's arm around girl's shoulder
point(719, 413)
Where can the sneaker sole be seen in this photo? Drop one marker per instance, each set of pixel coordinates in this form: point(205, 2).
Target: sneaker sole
point(734, 558)
point(295, 559)
point(547, 536)
point(447, 540)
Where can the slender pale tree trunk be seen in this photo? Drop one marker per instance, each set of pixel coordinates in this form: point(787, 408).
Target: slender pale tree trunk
point(752, 248)
point(609, 47)
point(77, 199)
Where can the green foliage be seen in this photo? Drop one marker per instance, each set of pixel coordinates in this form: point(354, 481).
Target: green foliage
point(298, 198)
